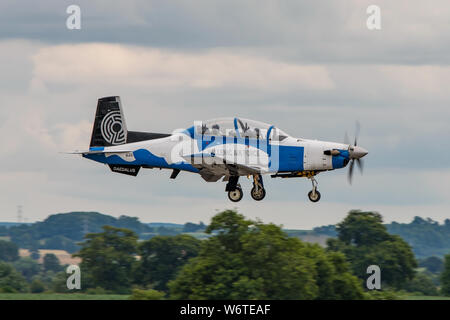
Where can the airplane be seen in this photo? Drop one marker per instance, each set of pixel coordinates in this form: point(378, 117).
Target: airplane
point(223, 148)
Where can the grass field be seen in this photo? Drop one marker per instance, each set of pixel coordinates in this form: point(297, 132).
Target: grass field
point(81, 296)
point(61, 296)
point(425, 298)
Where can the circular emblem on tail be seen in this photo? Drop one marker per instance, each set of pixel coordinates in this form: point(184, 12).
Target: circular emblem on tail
point(112, 129)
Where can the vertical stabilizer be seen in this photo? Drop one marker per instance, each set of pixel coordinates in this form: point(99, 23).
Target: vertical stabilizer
point(110, 128)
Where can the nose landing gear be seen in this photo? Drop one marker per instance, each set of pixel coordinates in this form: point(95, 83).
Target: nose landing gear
point(314, 194)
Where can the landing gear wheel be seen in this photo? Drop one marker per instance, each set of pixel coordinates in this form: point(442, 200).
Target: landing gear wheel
point(258, 194)
point(314, 197)
point(235, 195)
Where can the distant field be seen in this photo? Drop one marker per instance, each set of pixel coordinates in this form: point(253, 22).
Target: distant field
point(61, 296)
point(425, 298)
point(63, 256)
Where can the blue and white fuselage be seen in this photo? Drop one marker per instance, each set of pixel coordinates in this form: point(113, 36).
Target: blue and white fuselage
point(224, 148)
point(187, 151)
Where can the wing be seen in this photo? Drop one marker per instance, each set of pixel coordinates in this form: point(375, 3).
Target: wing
point(213, 167)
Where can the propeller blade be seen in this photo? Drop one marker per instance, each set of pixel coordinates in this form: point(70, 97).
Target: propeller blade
point(350, 172)
point(357, 128)
point(355, 153)
point(346, 139)
point(360, 163)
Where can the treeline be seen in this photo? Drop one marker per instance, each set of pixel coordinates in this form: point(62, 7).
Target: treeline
point(26, 274)
point(241, 259)
point(245, 259)
point(426, 236)
point(65, 231)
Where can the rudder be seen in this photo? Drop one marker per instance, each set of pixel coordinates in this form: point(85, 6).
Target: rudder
point(110, 128)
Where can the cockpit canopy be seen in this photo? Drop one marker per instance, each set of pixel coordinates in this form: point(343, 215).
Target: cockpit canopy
point(239, 127)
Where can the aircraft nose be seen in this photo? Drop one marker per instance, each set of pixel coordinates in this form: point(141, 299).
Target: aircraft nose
point(359, 152)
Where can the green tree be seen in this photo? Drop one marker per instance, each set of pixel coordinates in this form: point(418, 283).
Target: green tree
point(251, 260)
point(421, 283)
point(27, 267)
point(59, 283)
point(162, 257)
point(34, 252)
point(108, 259)
point(192, 227)
point(432, 264)
point(47, 278)
point(8, 251)
point(11, 280)
point(365, 241)
point(3, 231)
point(445, 277)
point(426, 237)
point(62, 231)
point(51, 263)
point(37, 286)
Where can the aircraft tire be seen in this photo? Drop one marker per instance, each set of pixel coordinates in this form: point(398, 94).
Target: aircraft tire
point(258, 196)
point(235, 195)
point(316, 198)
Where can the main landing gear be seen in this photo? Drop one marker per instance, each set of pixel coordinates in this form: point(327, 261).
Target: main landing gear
point(235, 193)
point(258, 192)
point(234, 189)
point(314, 194)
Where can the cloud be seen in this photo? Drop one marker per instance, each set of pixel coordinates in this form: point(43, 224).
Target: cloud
point(310, 68)
point(152, 67)
point(25, 128)
point(73, 136)
point(319, 32)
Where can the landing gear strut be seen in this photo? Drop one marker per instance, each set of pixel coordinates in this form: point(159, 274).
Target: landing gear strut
point(314, 194)
point(234, 189)
point(258, 192)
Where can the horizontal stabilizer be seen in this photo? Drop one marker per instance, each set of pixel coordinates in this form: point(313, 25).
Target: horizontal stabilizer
point(97, 152)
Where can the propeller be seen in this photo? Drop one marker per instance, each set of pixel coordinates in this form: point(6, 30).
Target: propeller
point(355, 153)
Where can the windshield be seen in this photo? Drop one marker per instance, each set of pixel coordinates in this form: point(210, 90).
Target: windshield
point(277, 134)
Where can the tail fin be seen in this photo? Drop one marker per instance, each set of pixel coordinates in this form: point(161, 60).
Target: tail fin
point(110, 128)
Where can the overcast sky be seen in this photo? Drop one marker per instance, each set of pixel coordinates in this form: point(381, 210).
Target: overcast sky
point(312, 68)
